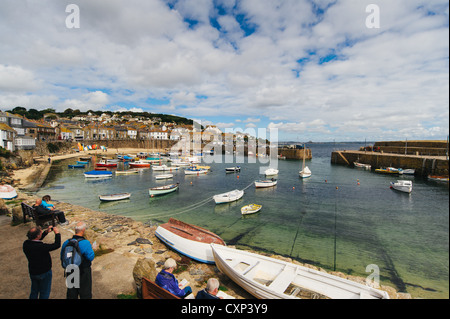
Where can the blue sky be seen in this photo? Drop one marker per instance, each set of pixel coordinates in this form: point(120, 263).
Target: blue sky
point(314, 70)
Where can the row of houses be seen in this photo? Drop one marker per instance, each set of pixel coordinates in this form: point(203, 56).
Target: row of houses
point(18, 133)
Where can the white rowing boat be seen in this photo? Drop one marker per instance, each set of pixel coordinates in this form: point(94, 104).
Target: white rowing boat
point(265, 183)
point(114, 197)
point(162, 190)
point(228, 196)
point(271, 171)
point(189, 240)
point(269, 278)
point(128, 172)
point(164, 176)
point(7, 192)
point(165, 168)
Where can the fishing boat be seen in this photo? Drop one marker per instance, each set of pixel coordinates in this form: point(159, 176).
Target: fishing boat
point(269, 278)
point(114, 197)
point(164, 176)
point(164, 168)
point(402, 186)
point(7, 192)
point(228, 197)
point(189, 240)
point(361, 165)
point(250, 209)
point(195, 171)
point(76, 166)
point(233, 169)
point(437, 178)
point(388, 170)
point(162, 190)
point(98, 174)
point(105, 164)
point(139, 164)
point(271, 171)
point(305, 172)
point(128, 172)
point(265, 183)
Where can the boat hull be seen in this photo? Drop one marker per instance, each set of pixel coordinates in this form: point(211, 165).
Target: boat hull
point(228, 197)
point(402, 186)
point(114, 197)
point(98, 174)
point(189, 240)
point(250, 209)
point(269, 278)
point(162, 190)
point(164, 176)
point(263, 184)
point(7, 192)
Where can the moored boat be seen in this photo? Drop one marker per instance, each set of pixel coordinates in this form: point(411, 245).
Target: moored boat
point(437, 178)
point(128, 172)
point(7, 192)
point(114, 197)
point(139, 164)
point(361, 165)
point(83, 162)
point(271, 171)
point(105, 164)
point(195, 171)
point(233, 169)
point(388, 170)
point(164, 176)
point(250, 209)
point(98, 174)
point(76, 166)
point(409, 171)
point(162, 190)
point(269, 278)
point(305, 172)
point(189, 240)
point(228, 196)
point(165, 168)
point(265, 183)
point(402, 186)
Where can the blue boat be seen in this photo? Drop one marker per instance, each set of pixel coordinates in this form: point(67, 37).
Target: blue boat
point(83, 162)
point(98, 174)
point(76, 166)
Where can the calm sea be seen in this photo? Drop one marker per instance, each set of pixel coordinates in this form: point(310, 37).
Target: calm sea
point(341, 217)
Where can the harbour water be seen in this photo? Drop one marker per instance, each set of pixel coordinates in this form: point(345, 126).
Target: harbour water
point(343, 218)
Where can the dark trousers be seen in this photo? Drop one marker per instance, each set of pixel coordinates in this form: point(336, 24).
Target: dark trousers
point(60, 215)
point(85, 290)
point(41, 285)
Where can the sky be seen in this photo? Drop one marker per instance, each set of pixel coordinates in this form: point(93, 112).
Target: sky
point(342, 70)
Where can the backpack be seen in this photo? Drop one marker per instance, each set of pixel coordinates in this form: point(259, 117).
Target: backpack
point(71, 254)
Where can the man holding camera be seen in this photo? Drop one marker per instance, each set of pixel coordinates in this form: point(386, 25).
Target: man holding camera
point(40, 261)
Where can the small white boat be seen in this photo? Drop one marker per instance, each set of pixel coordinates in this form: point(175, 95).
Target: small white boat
point(7, 192)
point(195, 171)
point(228, 196)
point(265, 183)
point(164, 168)
point(361, 165)
point(402, 186)
point(409, 171)
point(305, 172)
point(113, 197)
point(269, 278)
point(189, 240)
point(233, 169)
point(437, 178)
point(162, 190)
point(164, 176)
point(127, 172)
point(250, 209)
point(98, 174)
point(271, 171)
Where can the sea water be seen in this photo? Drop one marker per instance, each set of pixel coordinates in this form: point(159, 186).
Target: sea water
point(340, 218)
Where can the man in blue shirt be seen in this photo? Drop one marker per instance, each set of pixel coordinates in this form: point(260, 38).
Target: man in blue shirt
point(84, 291)
point(50, 207)
point(167, 280)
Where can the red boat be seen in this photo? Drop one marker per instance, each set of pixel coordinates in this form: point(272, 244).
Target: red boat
point(139, 164)
point(106, 164)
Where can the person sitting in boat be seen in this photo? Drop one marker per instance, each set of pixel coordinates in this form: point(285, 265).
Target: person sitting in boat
point(165, 279)
point(43, 207)
point(211, 290)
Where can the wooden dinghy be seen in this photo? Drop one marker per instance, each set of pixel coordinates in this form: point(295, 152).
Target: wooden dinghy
point(250, 209)
point(266, 183)
point(189, 240)
point(269, 278)
point(162, 190)
point(140, 164)
point(114, 197)
point(128, 172)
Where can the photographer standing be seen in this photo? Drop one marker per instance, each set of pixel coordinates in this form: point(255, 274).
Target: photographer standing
point(40, 261)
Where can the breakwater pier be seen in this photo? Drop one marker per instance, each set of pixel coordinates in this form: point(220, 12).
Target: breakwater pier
point(426, 157)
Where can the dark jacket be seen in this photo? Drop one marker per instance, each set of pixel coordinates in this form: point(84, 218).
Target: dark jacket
point(203, 294)
point(38, 254)
point(168, 281)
